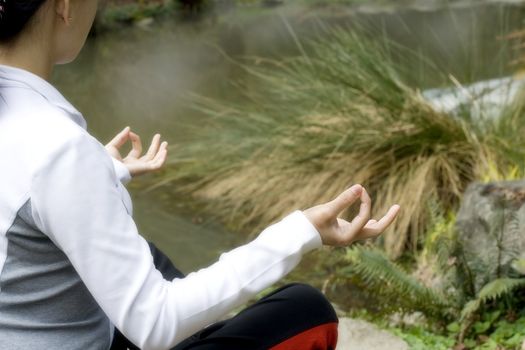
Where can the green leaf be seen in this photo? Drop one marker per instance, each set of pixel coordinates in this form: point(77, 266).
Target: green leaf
point(481, 327)
point(470, 343)
point(453, 327)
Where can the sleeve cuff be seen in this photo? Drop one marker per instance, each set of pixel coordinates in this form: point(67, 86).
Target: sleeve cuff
point(121, 170)
point(303, 230)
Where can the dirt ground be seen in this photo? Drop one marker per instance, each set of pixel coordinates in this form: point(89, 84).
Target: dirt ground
point(359, 335)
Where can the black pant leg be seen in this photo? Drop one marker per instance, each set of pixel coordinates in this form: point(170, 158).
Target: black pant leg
point(169, 272)
point(280, 315)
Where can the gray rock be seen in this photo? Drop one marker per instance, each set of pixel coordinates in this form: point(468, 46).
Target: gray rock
point(360, 335)
point(491, 228)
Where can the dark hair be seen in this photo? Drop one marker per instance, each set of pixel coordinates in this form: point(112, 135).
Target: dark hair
point(14, 16)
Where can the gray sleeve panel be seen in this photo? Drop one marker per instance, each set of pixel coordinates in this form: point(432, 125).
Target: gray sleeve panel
point(43, 302)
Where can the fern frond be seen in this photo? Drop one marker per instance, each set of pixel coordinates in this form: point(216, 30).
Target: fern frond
point(499, 287)
point(491, 291)
point(469, 309)
point(389, 280)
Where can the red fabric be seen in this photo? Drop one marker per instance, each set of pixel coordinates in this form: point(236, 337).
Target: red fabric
point(323, 337)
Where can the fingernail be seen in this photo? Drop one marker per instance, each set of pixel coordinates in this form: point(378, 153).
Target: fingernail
point(356, 188)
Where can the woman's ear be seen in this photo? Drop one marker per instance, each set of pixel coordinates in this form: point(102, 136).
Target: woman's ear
point(62, 9)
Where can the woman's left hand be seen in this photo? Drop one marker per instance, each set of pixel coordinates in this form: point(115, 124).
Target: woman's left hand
point(137, 164)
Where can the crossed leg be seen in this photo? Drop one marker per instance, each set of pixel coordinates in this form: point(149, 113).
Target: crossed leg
point(296, 316)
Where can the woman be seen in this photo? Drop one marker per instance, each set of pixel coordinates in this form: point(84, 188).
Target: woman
point(74, 271)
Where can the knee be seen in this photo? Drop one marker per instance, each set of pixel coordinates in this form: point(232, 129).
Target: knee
point(310, 299)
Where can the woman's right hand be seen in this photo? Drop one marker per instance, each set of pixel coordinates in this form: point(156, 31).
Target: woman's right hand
point(137, 164)
point(335, 231)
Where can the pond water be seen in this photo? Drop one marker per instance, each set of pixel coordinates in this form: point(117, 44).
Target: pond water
point(139, 76)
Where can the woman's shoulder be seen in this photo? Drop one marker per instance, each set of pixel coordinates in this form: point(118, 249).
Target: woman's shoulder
point(37, 130)
point(33, 136)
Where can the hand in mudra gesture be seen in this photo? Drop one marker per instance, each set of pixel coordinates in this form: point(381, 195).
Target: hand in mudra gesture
point(335, 231)
point(137, 164)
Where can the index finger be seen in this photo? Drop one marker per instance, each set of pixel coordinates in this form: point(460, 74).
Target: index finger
point(120, 138)
point(359, 222)
point(344, 200)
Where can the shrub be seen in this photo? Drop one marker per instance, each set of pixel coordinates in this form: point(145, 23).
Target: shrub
point(338, 114)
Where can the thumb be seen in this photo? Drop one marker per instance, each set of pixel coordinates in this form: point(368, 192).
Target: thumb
point(345, 199)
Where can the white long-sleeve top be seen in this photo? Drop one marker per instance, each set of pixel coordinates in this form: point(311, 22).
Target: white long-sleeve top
point(72, 263)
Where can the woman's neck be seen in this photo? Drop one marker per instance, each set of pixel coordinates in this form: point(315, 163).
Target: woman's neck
point(29, 56)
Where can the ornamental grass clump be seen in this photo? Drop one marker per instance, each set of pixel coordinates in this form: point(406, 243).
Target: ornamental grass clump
point(339, 113)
